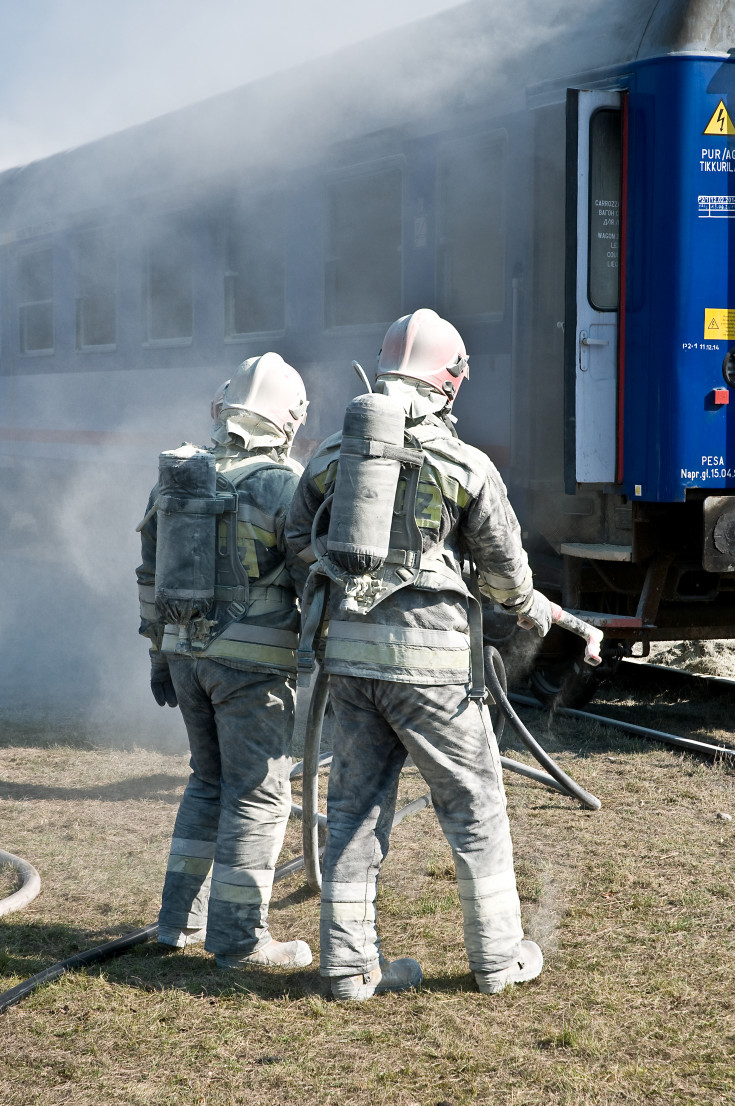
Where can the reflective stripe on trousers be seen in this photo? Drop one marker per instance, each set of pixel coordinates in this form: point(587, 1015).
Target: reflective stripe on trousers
point(230, 825)
point(451, 742)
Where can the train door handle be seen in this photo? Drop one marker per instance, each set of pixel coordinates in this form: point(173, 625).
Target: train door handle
point(585, 340)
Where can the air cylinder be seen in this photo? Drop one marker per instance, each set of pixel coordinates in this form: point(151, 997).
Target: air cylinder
point(186, 539)
point(365, 489)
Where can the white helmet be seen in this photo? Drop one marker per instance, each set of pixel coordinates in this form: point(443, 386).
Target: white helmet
point(423, 346)
point(269, 389)
point(218, 401)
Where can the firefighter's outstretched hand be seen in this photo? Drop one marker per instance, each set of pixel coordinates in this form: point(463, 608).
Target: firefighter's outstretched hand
point(161, 682)
point(536, 614)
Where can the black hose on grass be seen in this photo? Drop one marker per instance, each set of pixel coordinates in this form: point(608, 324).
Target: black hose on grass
point(492, 658)
point(688, 744)
point(78, 960)
point(530, 773)
point(108, 950)
point(565, 782)
point(148, 933)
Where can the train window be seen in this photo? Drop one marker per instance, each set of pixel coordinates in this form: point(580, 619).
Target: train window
point(364, 272)
point(254, 280)
point(169, 277)
point(36, 301)
point(471, 263)
point(96, 288)
point(604, 209)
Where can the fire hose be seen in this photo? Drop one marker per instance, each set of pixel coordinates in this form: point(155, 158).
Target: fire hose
point(29, 888)
point(557, 777)
point(554, 776)
point(311, 727)
point(127, 942)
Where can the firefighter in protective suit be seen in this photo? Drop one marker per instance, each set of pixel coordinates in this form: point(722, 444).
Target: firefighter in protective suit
point(229, 663)
point(398, 651)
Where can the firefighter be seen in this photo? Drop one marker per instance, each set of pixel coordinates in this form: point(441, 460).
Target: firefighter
point(401, 620)
point(228, 662)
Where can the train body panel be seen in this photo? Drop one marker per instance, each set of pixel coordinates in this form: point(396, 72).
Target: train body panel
point(679, 426)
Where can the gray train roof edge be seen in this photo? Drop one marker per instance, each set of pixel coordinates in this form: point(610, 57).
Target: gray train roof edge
point(413, 75)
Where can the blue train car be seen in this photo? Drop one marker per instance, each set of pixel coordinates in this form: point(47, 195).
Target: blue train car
point(558, 180)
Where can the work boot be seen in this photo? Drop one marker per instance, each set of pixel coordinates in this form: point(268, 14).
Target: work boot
point(527, 966)
point(179, 938)
point(392, 975)
point(275, 954)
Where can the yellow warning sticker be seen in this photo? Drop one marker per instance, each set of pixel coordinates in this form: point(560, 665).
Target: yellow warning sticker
point(719, 323)
point(720, 123)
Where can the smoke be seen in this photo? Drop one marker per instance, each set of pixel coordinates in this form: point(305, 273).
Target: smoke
point(74, 665)
point(68, 607)
point(73, 70)
point(69, 613)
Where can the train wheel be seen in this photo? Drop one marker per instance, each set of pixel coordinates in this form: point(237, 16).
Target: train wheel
point(565, 680)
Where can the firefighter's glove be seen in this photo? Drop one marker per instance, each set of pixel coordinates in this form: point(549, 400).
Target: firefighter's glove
point(535, 613)
point(161, 683)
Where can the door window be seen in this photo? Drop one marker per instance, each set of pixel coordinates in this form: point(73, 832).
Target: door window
point(604, 210)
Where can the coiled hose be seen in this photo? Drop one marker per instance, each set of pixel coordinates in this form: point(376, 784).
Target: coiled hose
point(29, 888)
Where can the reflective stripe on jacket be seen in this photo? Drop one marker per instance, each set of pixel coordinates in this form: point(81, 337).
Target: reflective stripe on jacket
point(385, 649)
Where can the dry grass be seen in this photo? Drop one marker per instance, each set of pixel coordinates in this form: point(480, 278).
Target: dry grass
point(632, 906)
point(710, 658)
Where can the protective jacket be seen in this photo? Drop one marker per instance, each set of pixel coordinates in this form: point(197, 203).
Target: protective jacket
point(262, 633)
point(420, 633)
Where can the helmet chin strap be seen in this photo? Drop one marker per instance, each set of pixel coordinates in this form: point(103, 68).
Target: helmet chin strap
point(417, 399)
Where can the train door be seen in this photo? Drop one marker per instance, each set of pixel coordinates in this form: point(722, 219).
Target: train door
point(594, 197)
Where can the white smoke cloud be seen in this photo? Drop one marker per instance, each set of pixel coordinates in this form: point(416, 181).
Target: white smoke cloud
point(68, 71)
point(73, 70)
point(74, 664)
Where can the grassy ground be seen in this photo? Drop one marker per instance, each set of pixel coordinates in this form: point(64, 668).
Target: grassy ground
point(632, 906)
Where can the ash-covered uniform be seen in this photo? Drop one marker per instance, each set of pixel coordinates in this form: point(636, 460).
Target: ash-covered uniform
point(237, 700)
point(399, 685)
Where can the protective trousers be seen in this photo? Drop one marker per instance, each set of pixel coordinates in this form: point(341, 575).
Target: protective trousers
point(452, 744)
point(230, 825)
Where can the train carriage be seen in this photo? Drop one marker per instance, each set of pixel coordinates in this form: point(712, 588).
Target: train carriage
point(558, 180)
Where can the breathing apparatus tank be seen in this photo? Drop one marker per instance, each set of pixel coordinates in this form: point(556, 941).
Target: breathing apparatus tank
point(358, 539)
point(186, 539)
point(373, 545)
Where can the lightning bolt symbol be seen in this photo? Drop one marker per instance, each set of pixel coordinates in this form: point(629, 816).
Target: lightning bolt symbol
point(721, 119)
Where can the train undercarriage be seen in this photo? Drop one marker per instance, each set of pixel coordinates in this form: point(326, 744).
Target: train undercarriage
point(674, 581)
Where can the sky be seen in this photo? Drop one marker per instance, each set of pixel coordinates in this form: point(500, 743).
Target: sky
point(73, 70)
